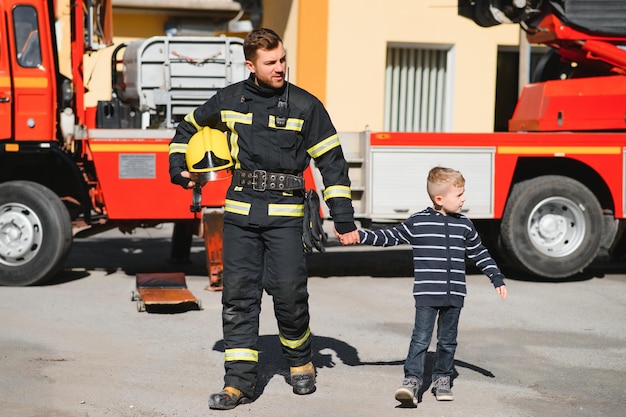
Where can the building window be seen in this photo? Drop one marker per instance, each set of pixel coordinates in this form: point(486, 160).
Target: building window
point(417, 86)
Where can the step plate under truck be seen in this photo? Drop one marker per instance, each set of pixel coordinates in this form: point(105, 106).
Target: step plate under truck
point(162, 290)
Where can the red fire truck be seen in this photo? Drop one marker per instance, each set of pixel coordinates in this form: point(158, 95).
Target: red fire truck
point(550, 193)
point(67, 171)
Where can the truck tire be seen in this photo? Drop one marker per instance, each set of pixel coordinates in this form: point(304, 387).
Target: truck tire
point(35, 233)
point(552, 226)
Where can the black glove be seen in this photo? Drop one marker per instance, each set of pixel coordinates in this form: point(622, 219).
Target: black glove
point(180, 180)
point(177, 166)
point(175, 176)
point(313, 235)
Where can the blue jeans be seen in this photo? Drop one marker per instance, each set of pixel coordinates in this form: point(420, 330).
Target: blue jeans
point(447, 330)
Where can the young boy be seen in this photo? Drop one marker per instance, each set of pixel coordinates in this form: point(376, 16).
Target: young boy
point(441, 238)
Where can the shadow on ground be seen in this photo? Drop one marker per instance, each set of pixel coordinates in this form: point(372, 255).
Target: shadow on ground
point(325, 350)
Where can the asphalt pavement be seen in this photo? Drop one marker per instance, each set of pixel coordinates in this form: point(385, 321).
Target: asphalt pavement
point(78, 346)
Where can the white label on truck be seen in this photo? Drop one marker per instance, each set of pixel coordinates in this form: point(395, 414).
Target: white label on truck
point(135, 166)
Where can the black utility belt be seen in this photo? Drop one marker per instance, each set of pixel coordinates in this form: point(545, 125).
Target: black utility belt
point(260, 180)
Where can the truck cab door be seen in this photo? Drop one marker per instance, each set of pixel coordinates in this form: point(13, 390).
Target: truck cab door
point(33, 69)
point(6, 85)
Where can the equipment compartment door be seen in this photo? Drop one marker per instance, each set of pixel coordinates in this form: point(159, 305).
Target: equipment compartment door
point(399, 179)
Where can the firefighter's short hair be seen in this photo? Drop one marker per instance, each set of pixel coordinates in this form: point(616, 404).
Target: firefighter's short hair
point(261, 38)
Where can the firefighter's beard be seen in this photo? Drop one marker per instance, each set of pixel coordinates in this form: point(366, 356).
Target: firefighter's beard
point(269, 82)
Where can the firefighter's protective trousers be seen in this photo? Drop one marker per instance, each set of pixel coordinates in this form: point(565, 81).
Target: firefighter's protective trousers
point(257, 258)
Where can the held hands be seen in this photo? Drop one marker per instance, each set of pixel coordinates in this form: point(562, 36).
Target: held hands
point(350, 238)
point(501, 290)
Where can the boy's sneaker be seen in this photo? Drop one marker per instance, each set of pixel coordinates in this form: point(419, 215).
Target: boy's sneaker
point(441, 388)
point(407, 393)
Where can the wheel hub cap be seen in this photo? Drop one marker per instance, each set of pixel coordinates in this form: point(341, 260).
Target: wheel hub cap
point(552, 227)
point(556, 226)
point(20, 234)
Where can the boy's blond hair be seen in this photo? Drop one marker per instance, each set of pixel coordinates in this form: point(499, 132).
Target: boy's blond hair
point(440, 178)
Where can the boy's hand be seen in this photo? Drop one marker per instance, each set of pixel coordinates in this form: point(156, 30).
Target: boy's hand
point(501, 290)
point(350, 238)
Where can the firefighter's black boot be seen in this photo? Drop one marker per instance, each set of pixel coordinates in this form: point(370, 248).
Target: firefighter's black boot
point(227, 399)
point(303, 379)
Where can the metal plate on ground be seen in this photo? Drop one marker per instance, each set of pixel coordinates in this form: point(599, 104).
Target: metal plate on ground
point(162, 290)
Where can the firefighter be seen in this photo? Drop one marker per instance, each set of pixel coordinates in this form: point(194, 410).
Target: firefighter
point(274, 129)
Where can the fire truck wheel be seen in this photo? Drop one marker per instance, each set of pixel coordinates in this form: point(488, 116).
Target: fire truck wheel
point(35, 233)
point(552, 226)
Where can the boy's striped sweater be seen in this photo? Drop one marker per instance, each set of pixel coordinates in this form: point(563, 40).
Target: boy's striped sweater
point(440, 246)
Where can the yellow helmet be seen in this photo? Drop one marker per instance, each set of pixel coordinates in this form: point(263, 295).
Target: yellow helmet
point(207, 151)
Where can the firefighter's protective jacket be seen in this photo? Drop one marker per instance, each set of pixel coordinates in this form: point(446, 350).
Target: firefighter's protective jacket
point(247, 113)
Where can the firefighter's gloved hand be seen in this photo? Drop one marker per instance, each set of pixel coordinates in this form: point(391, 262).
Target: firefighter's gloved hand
point(345, 227)
point(177, 178)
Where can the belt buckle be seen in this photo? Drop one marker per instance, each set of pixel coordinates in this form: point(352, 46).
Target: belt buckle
point(259, 180)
